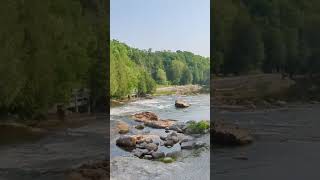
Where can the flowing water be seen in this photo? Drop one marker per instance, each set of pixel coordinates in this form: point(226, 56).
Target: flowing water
point(49, 157)
point(286, 146)
point(195, 165)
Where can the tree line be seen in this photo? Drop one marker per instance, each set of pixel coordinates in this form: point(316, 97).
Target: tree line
point(47, 49)
point(139, 71)
point(266, 36)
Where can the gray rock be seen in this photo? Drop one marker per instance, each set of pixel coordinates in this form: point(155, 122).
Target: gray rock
point(199, 144)
point(151, 147)
point(174, 151)
point(175, 127)
point(163, 138)
point(158, 155)
point(187, 145)
point(140, 152)
point(183, 138)
point(169, 142)
point(181, 104)
point(173, 134)
point(148, 140)
point(175, 139)
point(142, 145)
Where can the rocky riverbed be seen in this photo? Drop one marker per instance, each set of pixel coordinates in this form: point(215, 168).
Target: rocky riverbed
point(157, 143)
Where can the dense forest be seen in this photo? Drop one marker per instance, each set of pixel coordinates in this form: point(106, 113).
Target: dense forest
point(139, 71)
point(252, 36)
point(49, 48)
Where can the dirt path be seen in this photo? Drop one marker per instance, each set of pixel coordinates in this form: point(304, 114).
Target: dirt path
point(49, 157)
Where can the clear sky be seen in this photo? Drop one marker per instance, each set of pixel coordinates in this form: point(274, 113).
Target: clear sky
point(162, 24)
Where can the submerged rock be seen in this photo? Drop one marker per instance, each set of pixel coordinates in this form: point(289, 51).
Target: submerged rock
point(187, 145)
point(140, 127)
point(226, 134)
point(281, 103)
point(181, 104)
point(167, 160)
point(123, 127)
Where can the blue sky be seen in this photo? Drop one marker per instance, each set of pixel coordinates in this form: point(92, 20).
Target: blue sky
point(162, 24)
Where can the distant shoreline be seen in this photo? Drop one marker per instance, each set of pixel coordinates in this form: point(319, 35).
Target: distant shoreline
point(162, 91)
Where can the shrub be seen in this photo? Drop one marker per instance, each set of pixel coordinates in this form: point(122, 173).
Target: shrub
point(198, 127)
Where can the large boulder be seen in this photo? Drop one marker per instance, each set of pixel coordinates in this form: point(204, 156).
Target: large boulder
point(181, 104)
point(150, 119)
point(160, 124)
point(227, 134)
point(145, 116)
point(126, 141)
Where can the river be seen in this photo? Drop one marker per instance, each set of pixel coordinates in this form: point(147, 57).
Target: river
point(286, 146)
point(48, 158)
point(190, 165)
